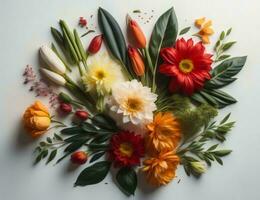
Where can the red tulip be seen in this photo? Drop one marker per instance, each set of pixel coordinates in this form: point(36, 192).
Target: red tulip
point(95, 44)
point(82, 115)
point(137, 61)
point(65, 108)
point(136, 34)
point(79, 157)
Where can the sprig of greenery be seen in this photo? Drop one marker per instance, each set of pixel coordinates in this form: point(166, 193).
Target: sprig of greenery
point(221, 46)
point(49, 147)
point(194, 150)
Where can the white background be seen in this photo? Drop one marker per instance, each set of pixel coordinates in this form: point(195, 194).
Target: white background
point(25, 26)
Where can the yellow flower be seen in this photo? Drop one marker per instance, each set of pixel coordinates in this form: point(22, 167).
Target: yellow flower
point(163, 133)
point(205, 29)
point(36, 119)
point(102, 73)
point(160, 169)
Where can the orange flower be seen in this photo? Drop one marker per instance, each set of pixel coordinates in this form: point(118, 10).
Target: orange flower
point(160, 169)
point(163, 132)
point(136, 34)
point(137, 61)
point(36, 119)
point(205, 29)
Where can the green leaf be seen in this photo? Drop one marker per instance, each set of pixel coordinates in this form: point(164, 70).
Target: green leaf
point(52, 156)
point(185, 30)
point(225, 118)
point(222, 35)
point(224, 73)
point(164, 34)
point(104, 121)
point(127, 180)
point(222, 153)
point(97, 156)
point(113, 37)
point(216, 98)
point(93, 174)
point(227, 46)
point(229, 31)
point(72, 130)
point(75, 145)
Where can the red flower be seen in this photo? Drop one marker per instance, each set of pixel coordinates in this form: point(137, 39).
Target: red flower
point(188, 66)
point(126, 149)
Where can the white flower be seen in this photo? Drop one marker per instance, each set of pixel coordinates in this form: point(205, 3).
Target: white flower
point(52, 60)
point(132, 105)
point(102, 73)
point(54, 77)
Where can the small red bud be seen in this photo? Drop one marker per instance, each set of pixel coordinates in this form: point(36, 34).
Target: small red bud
point(95, 44)
point(82, 22)
point(79, 157)
point(65, 108)
point(83, 115)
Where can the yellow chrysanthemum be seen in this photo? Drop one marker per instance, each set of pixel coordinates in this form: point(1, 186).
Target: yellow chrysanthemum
point(160, 169)
point(163, 133)
point(102, 73)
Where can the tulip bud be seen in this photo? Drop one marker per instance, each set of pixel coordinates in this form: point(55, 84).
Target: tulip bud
point(65, 108)
point(136, 34)
point(82, 115)
point(198, 167)
point(79, 157)
point(137, 61)
point(95, 44)
point(56, 78)
point(52, 60)
point(65, 98)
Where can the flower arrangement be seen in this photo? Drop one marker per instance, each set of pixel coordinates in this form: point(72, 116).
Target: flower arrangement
point(146, 106)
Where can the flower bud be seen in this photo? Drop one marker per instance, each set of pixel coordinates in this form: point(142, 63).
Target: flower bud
point(52, 60)
point(136, 34)
point(95, 44)
point(65, 108)
point(82, 115)
point(198, 167)
point(54, 77)
point(137, 61)
point(79, 157)
point(65, 98)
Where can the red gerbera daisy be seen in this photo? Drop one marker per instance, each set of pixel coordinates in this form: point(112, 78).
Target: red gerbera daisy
point(187, 64)
point(126, 149)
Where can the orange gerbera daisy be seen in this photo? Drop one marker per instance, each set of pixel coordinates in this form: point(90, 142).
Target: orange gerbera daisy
point(160, 169)
point(163, 133)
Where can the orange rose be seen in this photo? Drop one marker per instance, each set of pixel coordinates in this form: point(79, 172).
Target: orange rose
point(36, 119)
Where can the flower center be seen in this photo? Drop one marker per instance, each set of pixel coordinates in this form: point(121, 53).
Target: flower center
point(100, 75)
point(134, 105)
point(186, 66)
point(126, 149)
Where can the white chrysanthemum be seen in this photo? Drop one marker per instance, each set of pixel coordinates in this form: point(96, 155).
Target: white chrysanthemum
point(132, 105)
point(102, 73)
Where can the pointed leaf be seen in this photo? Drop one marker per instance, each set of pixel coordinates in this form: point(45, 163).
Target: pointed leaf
point(93, 174)
point(127, 180)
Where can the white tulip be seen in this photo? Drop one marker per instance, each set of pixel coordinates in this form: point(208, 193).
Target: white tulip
point(52, 60)
point(56, 78)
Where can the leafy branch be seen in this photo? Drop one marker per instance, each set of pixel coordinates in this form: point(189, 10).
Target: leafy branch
point(221, 46)
point(193, 151)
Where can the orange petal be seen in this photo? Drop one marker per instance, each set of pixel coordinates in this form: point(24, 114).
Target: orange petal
point(199, 22)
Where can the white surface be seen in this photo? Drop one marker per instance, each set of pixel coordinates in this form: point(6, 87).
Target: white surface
point(25, 26)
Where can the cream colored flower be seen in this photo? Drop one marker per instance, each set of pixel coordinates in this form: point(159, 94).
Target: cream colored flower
point(132, 104)
point(102, 73)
